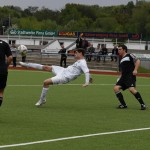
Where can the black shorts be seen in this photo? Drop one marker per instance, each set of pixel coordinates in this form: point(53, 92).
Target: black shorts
point(3, 80)
point(126, 83)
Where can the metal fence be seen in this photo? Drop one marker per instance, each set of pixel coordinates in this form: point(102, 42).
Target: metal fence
point(54, 59)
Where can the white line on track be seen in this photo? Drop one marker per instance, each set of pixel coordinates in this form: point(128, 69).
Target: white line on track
point(72, 137)
point(70, 85)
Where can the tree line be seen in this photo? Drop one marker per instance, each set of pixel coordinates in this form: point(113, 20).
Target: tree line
point(130, 18)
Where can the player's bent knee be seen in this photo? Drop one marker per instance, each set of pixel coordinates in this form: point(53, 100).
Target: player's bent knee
point(47, 68)
point(133, 90)
point(116, 88)
point(47, 82)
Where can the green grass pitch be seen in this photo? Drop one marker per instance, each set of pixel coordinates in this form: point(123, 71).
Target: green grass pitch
point(72, 110)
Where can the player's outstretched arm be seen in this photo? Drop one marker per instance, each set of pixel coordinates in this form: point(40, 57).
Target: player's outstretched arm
point(88, 79)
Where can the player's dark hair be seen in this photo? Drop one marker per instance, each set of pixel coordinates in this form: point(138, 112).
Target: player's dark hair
point(80, 50)
point(124, 47)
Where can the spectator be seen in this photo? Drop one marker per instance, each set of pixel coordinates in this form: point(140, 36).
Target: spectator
point(63, 56)
point(90, 52)
point(14, 53)
point(23, 51)
point(104, 51)
point(98, 53)
point(79, 42)
point(85, 44)
point(24, 55)
point(114, 55)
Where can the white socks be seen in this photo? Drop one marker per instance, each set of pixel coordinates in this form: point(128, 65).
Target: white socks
point(43, 94)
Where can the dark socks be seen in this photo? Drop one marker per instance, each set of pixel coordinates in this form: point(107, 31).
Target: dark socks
point(120, 98)
point(1, 100)
point(139, 98)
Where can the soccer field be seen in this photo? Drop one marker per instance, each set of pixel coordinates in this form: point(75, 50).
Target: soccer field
point(74, 118)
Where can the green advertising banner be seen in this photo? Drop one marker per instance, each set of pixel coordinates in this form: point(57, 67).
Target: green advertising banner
point(32, 32)
point(133, 36)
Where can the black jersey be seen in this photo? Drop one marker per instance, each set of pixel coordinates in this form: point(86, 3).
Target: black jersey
point(127, 65)
point(4, 52)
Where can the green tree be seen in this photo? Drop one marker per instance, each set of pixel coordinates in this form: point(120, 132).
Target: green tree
point(106, 24)
point(48, 25)
point(68, 14)
point(46, 14)
point(139, 21)
point(29, 23)
point(76, 17)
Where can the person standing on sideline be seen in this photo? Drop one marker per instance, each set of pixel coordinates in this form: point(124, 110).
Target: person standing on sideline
point(97, 50)
point(24, 55)
point(104, 51)
point(63, 75)
point(85, 43)
point(14, 53)
point(114, 53)
point(63, 56)
point(79, 42)
point(129, 65)
point(23, 51)
point(5, 60)
point(90, 52)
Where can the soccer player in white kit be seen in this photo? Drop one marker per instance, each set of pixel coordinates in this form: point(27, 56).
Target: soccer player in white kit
point(62, 75)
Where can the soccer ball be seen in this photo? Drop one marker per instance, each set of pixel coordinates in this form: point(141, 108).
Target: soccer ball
point(22, 48)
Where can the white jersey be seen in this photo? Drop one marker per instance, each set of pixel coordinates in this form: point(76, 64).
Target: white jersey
point(64, 75)
point(76, 69)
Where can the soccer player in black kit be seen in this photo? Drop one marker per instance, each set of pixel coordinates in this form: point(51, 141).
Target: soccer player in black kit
point(129, 65)
point(5, 60)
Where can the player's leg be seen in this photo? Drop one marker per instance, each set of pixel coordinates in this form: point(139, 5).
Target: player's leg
point(138, 97)
point(3, 81)
point(65, 64)
point(36, 66)
point(119, 97)
point(59, 79)
point(61, 61)
point(46, 85)
point(47, 68)
point(32, 65)
point(57, 70)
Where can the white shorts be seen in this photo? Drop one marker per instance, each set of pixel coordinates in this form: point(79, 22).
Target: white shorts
point(58, 78)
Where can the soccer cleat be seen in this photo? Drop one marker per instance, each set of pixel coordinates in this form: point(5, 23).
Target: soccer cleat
point(143, 107)
point(23, 64)
point(40, 102)
point(122, 106)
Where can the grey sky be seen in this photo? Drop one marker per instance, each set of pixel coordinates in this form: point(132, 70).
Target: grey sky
point(59, 4)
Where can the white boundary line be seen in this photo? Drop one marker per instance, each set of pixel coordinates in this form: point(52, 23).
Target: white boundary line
point(70, 85)
point(72, 137)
